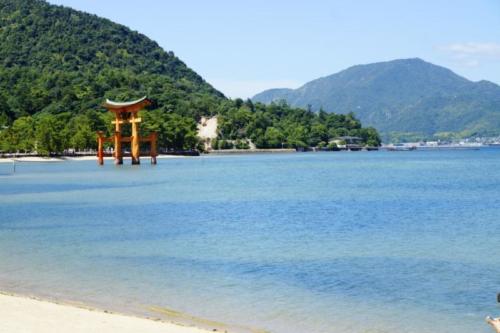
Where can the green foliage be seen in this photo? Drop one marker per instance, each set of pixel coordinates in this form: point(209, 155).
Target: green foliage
point(55, 60)
point(81, 130)
point(57, 65)
point(319, 133)
point(175, 132)
point(214, 144)
point(48, 138)
point(221, 144)
point(20, 136)
point(241, 144)
point(446, 136)
point(408, 95)
point(273, 138)
point(180, 133)
point(322, 144)
point(280, 126)
point(405, 137)
point(333, 146)
point(369, 136)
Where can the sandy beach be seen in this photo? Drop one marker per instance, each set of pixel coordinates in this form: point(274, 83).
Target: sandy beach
point(28, 315)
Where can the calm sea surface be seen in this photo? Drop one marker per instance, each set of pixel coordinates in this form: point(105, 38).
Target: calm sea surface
point(292, 243)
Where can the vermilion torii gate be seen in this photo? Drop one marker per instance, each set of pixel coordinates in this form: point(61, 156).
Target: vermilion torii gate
point(126, 113)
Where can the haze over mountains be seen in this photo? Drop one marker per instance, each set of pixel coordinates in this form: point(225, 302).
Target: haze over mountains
point(407, 95)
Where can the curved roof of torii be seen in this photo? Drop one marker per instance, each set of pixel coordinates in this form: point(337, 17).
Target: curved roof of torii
point(127, 106)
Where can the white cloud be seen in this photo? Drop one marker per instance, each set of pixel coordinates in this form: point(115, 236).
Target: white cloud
point(248, 88)
point(473, 49)
point(472, 54)
point(470, 63)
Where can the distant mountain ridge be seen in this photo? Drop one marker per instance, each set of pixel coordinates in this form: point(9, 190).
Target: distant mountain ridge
point(406, 95)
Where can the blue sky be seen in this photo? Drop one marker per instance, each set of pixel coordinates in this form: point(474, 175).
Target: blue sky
point(244, 47)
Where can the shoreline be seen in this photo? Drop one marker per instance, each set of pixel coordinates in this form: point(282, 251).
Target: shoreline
point(21, 313)
point(75, 158)
point(252, 151)
point(145, 158)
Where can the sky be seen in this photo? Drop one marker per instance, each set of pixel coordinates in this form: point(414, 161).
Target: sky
point(245, 47)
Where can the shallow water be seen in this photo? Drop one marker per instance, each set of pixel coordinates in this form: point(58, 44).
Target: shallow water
point(316, 242)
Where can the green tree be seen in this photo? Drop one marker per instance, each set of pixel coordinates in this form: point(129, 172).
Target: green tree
point(84, 137)
point(297, 136)
point(60, 63)
point(20, 136)
point(48, 138)
point(319, 133)
point(370, 136)
point(274, 138)
point(241, 144)
point(181, 133)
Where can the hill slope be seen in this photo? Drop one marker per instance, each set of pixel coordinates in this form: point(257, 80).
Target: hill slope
point(56, 59)
point(408, 95)
point(57, 65)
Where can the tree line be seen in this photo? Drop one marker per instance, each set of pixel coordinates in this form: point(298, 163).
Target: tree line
point(277, 125)
point(48, 134)
point(57, 66)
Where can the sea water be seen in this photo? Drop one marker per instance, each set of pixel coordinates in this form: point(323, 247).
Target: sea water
point(287, 243)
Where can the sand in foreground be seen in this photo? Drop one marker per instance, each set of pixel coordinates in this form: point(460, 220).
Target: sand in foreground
point(26, 315)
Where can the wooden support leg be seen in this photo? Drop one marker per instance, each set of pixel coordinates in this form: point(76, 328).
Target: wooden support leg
point(135, 152)
point(118, 149)
point(100, 153)
point(135, 144)
point(154, 136)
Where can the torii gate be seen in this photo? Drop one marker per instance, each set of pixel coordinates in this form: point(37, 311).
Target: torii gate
point(126, 113)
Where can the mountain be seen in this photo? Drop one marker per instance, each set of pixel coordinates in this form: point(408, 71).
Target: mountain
point(57, 65)
point(407, 95)
point(55, 59)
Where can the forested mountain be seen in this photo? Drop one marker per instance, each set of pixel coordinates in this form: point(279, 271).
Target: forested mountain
point(57, 65)
point(408, 95)
point(55, 59)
